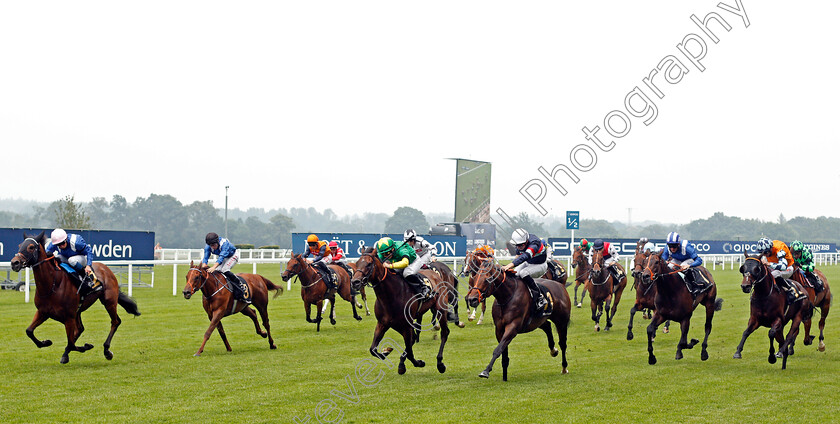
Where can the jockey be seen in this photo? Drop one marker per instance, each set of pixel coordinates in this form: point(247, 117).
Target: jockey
point(426, 252)
point(531, 262)
point(648, 248)
point(339, 258)
point(776, 254)
point(803, 257)
point(586, 247)
point(228, 256)
point(72, 250)
point(611, 258)
point(681, 255)
point(402, 258)
point(323, 257)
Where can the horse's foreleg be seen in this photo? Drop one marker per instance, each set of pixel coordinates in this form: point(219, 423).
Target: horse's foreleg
point(409, 337)
point(607, 312)
point(505, 363)
point(630, 325)
point(616, 299)
point(214, 322)
point(332, 310)
point(775, 334)
point(684, 343)
point(483, 308)
point(808, 339)
point(546, 326)
point(790, 339)
point(378, 334)
point(307, 307)
point(752, 325)
point(823, 313)
point(444, 336)
point(221, 330)
point(504, 341)
point(364, 300)
point(37, 320)
point(71, 328)
point(318, 315)
point(651, 334)
point(562, 332)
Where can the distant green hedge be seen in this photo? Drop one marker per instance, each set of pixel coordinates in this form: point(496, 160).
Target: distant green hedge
point(243, 246)
point(271, 246)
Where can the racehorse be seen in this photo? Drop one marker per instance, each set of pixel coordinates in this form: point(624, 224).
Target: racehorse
point(769, 308)
point(559, 276)
point(645, 293)
point(218, 300)
point(673, 301)
point(359, 305)
point(581, 266)
point(602, 285)
point(398, 307)
point(821, 300)
point(513, 311)
point(472, 262)
point(313, 290)
point(56, 297)
point(445, 273)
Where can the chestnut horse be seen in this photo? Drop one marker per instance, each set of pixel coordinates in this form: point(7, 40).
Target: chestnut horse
point(397, 307)
point(359, 305)
point(645, 293)
point(821, 300)
point(602, 285)
point(769, 308)
point(472, 262)
point(580, 263)
point(674, 302)
point(219, 302)
point(561, 276)
point(56, 297)
point(313, 290)
point(512, 311)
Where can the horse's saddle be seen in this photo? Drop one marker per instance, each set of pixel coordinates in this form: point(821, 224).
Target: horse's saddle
point(792, 289)
point(557, 269)
point(549, 305)
point(241, 285)
point(700, 284)
point(75, 277)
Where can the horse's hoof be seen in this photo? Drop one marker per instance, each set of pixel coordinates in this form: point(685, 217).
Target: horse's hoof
point(679, 356)
point(64, 359)
point(332, 321)
point(441, 367)
point(359, 306)
point(479, 322)
point(367, 313)
point(264, 334)
point(197, 354)
point(461, 324)
point(484, 374)
point(109, 355)
point(272, 347)
point(597, 328)
point(471, 318)
point(771, 359)
point(821, 348)
point(779, 354)
point(666, 330)
point(737, 355)
point(358, 318)
point(579, 305)
point(45, 343)
point(607, 328)
point(652, 360)
point(565, 371)
point(401, 369)
point(87, 346)
point(693, 343)
point(629, 336)
point(808, 340)
point(419, 364)
point(704, 355)
point(436, 327)
point(554, 352)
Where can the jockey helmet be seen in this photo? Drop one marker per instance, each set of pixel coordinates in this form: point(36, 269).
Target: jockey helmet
point(409, 235)
point(599, 244)
point(211, 238)
point(764, 245)
point(312, 238)
point(385, 246)
point(519, 236)
point(333, 244)
point(584, 243)
point(797, 246)
point(649, 247)
point(673, 239)
point(58, 236)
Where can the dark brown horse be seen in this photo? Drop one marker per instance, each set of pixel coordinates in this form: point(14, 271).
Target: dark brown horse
point(218, 301)
point(472, 262)
point(445, 273)
point(56, 297)
point(580, 263)
point(769, 308)
point(560, 276)
point(820, 300)
point(602, 285)
point(313, 289)
point(512, 311)
point(674, 302)
point(397, 307)
point(645, 293)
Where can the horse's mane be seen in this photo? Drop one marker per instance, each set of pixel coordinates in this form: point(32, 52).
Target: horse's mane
point(368, 250)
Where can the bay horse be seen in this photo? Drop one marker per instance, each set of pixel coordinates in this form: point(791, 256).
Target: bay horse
point(674, 302)
point(820, 300)
point(472, 262)
point(57, 297)
point(560, 276)
point(313, 289)
point(445, 273)
point(513, 314)
point(397, 307)
point(645, 293)
point(602, 285)
point(580, 263)
point(219, 302)
point(769, 308)
point(359, 305)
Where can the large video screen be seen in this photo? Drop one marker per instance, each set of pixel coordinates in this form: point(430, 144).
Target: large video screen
point(472, 191)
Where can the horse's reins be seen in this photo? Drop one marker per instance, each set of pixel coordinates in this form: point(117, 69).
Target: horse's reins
point(203, 282)
point(494, 281)
point(754, 281)
point(38, 263)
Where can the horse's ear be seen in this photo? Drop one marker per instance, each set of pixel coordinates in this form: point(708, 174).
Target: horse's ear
point(41, 238)
point(192, 264)
point(741, 269)
point(745, 254)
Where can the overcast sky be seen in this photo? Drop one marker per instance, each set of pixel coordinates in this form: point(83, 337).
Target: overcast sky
point(355, 105)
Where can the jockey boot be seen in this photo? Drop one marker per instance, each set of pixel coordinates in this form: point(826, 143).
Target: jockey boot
point(538, 296)
point(816, 282)
point(416, 284)
point(89, 285)
point(239, 287)
point(350, 273)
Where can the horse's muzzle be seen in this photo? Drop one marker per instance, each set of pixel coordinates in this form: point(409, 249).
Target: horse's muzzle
point(187, 294)
point(472, 300)
point(746, 288)
point(284, 277)
point(17, 264)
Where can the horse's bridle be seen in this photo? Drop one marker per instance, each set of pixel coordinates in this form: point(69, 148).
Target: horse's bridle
point(367, 279)
point(203, 280)
point(494, 282)
point(33, 258)
point(754, 281)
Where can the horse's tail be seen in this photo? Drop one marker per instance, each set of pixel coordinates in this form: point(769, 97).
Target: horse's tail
point(808, 313)
point(718, 304)
point(128, 304)
point(278, 290)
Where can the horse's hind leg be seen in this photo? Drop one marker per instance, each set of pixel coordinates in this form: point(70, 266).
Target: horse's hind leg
point(546, 326)
point(332, 310)
point(505, 363)
point(71, 328)
point(710, 314)
point(444, 336)
point(264, 315)
point(823, 314)
point(562, 332)
point(37, 320)
point(364, 300)
point(115, 323)
point(222, 334)
point(248, 312)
